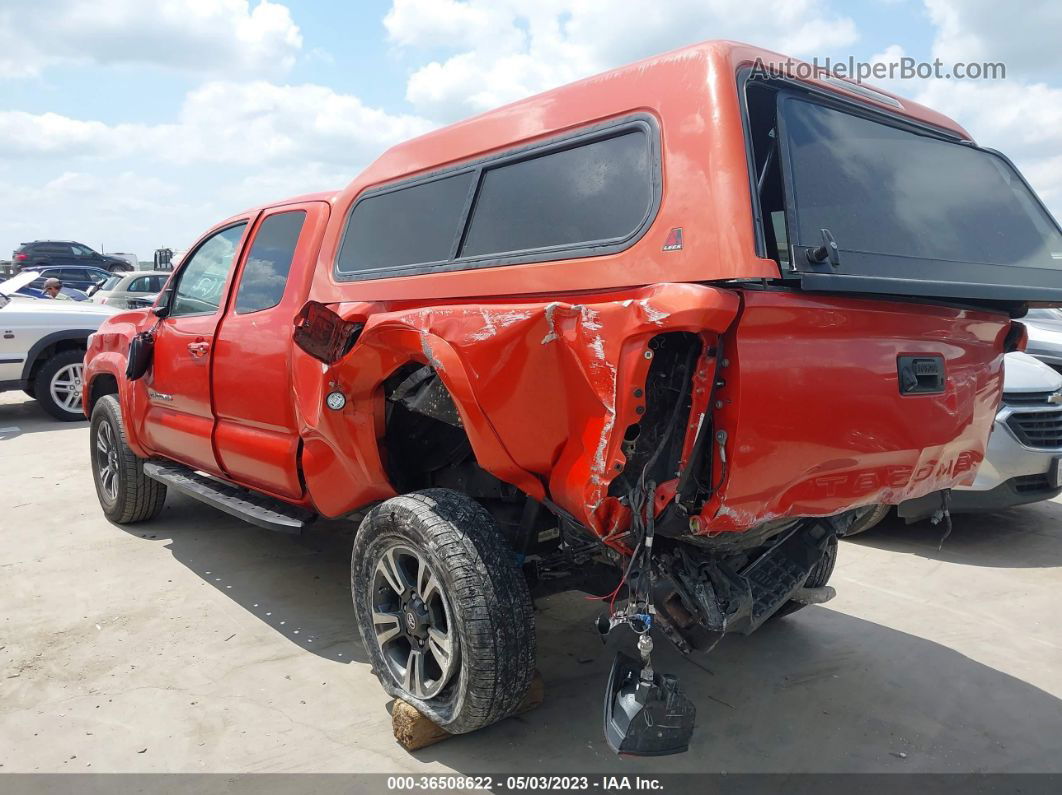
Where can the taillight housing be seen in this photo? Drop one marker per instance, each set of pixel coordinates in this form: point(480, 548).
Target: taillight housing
point(20, 256)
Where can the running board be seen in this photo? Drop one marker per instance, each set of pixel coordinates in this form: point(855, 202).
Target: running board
point(258, 509)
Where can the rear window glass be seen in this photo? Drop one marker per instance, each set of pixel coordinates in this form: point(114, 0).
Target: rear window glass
point(406, 226)
point(595, 192)
point(884, 190)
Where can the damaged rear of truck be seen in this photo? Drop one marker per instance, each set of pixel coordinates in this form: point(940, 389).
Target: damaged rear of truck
point(662, 335)
point(739, 313)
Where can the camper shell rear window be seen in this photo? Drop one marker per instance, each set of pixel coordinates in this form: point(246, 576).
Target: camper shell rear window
point(853, 199)
point(594, 192)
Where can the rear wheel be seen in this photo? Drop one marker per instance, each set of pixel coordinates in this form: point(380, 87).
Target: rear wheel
point(872, 518)
point(443, 611)
point(820, 575)
point(57, 386)
point(126, 494)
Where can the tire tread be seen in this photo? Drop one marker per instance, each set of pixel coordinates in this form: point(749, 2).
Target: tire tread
point(139, 497)
point(485, 588)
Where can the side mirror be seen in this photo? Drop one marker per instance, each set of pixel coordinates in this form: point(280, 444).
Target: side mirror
point(161, 311)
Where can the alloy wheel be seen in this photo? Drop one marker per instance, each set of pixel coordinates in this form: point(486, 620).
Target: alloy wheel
point(107, 462)
point(412, 622)
point(65, 387)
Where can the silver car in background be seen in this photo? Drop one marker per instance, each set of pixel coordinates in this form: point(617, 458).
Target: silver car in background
point(1022, 461)
point(130, 290)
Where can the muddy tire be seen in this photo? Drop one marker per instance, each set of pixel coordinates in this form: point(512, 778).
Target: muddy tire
point(443, 611)
point(820, 575)
point(57, 385)
point(126, 494)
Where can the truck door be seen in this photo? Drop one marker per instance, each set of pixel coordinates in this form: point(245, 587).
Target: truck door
point(179, 422)
point(256, 435)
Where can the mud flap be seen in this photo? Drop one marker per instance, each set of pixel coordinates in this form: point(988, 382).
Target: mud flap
point(643, 716)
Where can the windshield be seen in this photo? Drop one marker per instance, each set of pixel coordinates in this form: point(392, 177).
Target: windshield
point(111, 283)
point(884, 190)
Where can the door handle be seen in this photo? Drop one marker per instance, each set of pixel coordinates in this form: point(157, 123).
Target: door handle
point(198, 349)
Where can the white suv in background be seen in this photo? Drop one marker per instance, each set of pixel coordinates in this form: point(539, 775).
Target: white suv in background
point(42, 346)
point(1025, 449)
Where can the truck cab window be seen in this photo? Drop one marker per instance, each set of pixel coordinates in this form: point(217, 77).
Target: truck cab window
point(203, 278)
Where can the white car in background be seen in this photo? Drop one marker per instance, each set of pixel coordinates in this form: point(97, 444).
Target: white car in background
point(1024, 455)
point(42, 346)
point(128, 290)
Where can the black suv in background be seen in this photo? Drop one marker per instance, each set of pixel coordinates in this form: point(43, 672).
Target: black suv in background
point(44, 253)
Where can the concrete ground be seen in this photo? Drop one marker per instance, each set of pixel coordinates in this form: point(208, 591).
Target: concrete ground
point(198, 643)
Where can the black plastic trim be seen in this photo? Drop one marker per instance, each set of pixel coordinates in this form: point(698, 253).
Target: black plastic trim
point(930, 288)
point(570, 140)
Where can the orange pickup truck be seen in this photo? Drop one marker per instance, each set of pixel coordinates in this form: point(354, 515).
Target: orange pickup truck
point(662, 335)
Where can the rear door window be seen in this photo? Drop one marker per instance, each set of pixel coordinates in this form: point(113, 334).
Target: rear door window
point(265, 274)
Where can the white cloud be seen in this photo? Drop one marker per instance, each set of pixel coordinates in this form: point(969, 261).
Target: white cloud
point(121, 212)
point(232, 146)
point(503, 50)
point(202, 36)
point(1022, 120)
point(252, 124)
point(1024, 36)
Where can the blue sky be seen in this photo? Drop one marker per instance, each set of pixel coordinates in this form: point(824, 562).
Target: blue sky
point(133, 125)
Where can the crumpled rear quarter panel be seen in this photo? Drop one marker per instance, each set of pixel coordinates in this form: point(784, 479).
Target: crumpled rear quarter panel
point(544, 388)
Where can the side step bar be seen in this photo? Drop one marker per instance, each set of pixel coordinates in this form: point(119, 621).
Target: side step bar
point(257, 509)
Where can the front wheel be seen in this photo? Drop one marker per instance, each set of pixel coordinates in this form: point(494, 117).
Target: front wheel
point(126, 494)
point(443, 611)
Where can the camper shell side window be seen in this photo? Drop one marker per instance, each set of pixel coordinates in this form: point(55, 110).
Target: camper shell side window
point(589, 193)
